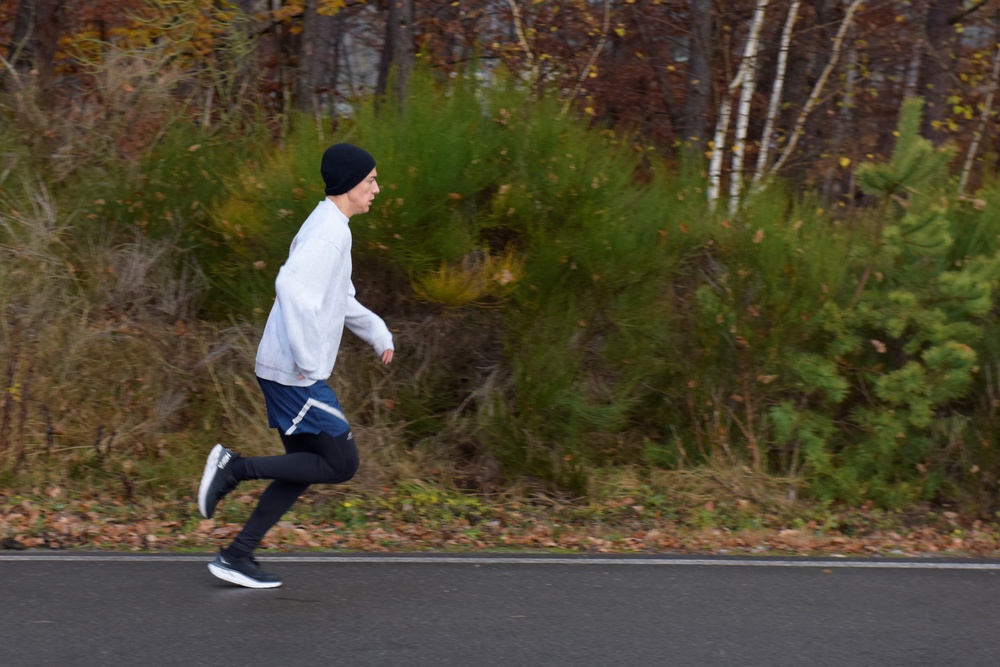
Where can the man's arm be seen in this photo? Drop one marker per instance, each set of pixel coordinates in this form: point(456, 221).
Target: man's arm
point(368, 326)
point(300, 290)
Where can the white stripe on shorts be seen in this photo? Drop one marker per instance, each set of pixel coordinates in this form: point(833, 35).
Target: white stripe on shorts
point(313, 403)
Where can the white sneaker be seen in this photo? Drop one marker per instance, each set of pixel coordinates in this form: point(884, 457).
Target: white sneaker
point(217, 480)
point(242, 572)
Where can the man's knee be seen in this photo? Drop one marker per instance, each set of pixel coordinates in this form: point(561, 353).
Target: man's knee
point(351, 460)
point(345, 458)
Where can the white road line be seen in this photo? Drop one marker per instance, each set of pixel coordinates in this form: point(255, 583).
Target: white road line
point(915, 564)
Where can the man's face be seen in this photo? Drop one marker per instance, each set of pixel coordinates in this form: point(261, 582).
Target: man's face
point(361, 196)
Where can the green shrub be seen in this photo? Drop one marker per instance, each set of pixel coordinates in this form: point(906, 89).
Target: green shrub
point(905, 339)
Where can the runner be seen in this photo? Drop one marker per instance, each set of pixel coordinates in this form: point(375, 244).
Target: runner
point(315, 300)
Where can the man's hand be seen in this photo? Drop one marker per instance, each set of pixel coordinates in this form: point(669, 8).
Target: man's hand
point(387, 357)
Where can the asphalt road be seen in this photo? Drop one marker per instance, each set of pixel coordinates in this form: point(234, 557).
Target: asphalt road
point(108, 610)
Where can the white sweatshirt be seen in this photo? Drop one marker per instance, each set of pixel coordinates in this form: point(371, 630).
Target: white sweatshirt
point(315, 300)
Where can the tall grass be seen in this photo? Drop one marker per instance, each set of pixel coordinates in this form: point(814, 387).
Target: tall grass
point(94, 363)
point(106, 362)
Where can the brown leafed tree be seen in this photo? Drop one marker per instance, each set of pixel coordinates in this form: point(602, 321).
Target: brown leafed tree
point(657, 70)
point(397, 51)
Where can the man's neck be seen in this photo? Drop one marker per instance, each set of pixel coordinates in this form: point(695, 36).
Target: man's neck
point(340, 201)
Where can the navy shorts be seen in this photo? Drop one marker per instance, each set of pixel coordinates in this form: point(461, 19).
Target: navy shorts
point(312, 409)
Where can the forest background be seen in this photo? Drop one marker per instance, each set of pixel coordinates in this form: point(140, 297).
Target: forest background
point(662, 274)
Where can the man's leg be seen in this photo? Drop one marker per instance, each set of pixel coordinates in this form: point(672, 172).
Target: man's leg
point(312, 458)
point(277, 499)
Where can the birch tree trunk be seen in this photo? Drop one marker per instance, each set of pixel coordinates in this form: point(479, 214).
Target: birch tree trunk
point(747, 87)
point(719, 145)
point(531, 70)
point(913, 71)
point(779, 83)
point(983, 119)
point(744, 79)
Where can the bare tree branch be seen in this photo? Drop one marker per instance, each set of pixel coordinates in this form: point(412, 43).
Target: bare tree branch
point(800, 122)
point(779, 84)
point(971, 9)
point(593, 57)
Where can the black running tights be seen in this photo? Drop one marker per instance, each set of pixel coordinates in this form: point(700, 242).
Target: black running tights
point(310, 458)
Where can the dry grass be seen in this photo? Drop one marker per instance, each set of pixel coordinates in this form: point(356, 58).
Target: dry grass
point(108, 368)
point(101, 354)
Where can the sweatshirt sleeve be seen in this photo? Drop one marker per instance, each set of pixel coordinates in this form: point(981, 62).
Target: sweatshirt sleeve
point(301, 286)
point(366, 325)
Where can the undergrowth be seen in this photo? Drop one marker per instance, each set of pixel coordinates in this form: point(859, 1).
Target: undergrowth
point(572, 323)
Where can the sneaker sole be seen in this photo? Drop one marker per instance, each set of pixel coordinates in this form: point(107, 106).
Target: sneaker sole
point(234, 577)
point(211, 466)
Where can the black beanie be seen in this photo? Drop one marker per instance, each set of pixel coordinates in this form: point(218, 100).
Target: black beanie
point(344, 166)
